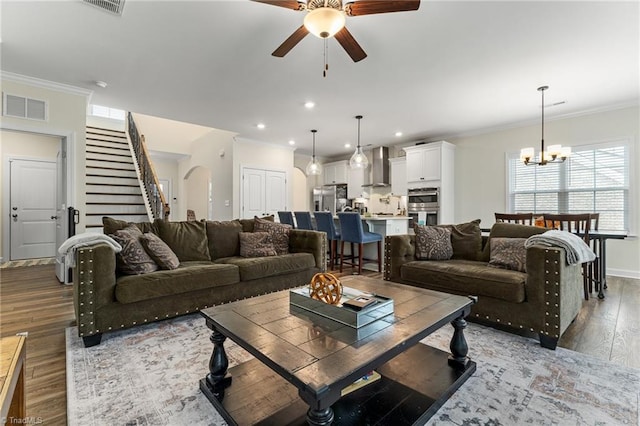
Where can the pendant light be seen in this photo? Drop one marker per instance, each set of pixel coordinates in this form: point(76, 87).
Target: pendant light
point(358, 159)
point(313, 168)
point(556, 153)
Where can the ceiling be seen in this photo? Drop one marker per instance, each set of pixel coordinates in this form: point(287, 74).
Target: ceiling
point(450, 68)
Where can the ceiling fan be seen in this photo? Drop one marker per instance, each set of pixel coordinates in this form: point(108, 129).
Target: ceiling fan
point(326, 18)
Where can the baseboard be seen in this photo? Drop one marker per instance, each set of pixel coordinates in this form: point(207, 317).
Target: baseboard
point(624, 273)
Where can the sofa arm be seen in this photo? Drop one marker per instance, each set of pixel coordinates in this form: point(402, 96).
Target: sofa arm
point(555, 287)
point(398, 250)
point(94, 282)
point(314, 242)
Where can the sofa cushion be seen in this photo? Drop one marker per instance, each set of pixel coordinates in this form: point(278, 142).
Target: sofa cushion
point(508, 230)
point(508, 253)
point(260, 267)
point(248, 224)
point(256, 244)
point(223, 238)
point(279, 233)
point(466, 240)
point(133, 258)
point(159, 251)
point(433, 242)
point(188, 277)
point(111, 225)
point(188, 240)
point(466, 277)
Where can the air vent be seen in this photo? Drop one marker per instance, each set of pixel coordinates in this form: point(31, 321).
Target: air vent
point(111, 6)
point(21, 107)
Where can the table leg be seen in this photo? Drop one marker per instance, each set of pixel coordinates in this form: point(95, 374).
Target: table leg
point(322, 417)
point(218, 364)
point(603, 268)
point(458, 345)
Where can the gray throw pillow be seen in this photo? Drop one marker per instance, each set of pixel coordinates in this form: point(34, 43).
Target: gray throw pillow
point(279, 234)
point(433, 242)
point(256, 244)
point(159, 251)
point(133, 259)
point(508, 253)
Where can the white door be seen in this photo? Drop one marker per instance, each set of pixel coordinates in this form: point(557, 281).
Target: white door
point(32, 209)
point(264, 192)
point(61, 219)
point(165, 187)
point(276, 192)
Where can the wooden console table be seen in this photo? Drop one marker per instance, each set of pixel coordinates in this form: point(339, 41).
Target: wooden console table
point(12, 377)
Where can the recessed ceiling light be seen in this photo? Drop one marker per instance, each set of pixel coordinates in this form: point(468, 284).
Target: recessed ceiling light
point(347, 145)
point(309, 104)
point(292, 142)
point(398, 134)
point(261, 126)
point(102, 84)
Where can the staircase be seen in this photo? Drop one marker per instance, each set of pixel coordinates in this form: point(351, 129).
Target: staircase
point(113, 188)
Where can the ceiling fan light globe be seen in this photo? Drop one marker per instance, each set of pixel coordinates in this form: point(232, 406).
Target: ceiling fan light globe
point(324, 22)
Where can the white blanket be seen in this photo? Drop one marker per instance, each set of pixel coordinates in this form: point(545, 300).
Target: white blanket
point(68, 248)
point(577, 250)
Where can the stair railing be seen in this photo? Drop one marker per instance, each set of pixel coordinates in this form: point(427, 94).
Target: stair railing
point(159, 207)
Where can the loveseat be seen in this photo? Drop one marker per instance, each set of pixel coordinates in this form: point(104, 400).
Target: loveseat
point(210, 272)
point(544, 300)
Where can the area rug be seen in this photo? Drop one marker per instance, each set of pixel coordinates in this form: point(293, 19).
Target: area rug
point(149, 375)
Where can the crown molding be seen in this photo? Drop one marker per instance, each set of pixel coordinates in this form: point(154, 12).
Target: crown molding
point(45, 84)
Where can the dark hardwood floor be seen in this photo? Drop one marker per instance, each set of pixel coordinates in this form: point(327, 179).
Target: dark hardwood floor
point(32, 300)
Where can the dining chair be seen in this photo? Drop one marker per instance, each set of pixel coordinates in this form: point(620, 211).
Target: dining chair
point(352, 231)
point(325, 223)
point(303, 220)
point(579, 224)
point(286, 218)
point(594, 267)
point(521, 218)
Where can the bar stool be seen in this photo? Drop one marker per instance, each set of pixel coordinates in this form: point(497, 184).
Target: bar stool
point(324, 223)
point(286, 218)
point(303, 220)
point(352, 231)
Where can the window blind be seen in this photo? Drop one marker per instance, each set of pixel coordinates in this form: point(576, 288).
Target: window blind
point(595, 178)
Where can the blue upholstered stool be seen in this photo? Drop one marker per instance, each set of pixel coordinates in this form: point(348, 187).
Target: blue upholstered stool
point(324, 223)
point(352, 231)
point(303, 220)
point(286, 218)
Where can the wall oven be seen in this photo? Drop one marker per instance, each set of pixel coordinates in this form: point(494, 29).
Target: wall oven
point(423, 206)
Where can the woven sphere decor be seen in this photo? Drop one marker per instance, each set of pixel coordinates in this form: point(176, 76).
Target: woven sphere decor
point(326, 287)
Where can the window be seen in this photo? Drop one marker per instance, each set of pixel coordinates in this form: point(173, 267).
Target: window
point(106, 112)
point(594, 179)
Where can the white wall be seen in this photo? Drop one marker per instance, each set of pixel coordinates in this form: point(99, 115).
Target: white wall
point(481, 170)
point(260, 155)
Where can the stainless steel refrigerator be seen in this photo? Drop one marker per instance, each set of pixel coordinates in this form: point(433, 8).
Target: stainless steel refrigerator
point(331, 198)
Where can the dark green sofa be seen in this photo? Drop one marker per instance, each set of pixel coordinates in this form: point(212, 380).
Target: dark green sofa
point(544, 300)
point(211, 272)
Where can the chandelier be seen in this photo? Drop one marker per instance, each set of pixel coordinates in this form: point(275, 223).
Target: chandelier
point(555, 153)
point(358, 160)
point(313, 168)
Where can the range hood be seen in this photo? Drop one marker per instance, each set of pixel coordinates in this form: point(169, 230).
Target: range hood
point(379, 167)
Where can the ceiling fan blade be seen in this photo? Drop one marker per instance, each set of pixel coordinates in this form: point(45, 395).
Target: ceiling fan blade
point(370, 7)
point(288, 4)
point(350, 44)
point(290, 43)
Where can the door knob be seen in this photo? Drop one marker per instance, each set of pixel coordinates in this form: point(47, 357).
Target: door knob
point(15, 216)
point(54, 217)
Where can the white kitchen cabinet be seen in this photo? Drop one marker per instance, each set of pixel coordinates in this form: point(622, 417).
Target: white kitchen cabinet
point(335, 172)
point(357, 178)
point(424, 162)
point(398, 175)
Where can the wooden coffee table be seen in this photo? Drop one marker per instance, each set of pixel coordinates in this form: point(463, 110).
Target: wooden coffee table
point(303, 361)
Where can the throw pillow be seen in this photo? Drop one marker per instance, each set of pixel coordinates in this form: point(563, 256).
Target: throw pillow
point(111, 225)
point(508, 230)
point(509, 253)
point(188, 240)
point(256, 244)
point(466, 240)
point(159, 251)
point(279, 233)
point(248, 224)
point(433, 242)
point(223, 238)
point(133, 259)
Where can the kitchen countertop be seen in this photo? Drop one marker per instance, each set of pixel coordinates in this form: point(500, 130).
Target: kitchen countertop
point(383, 217)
